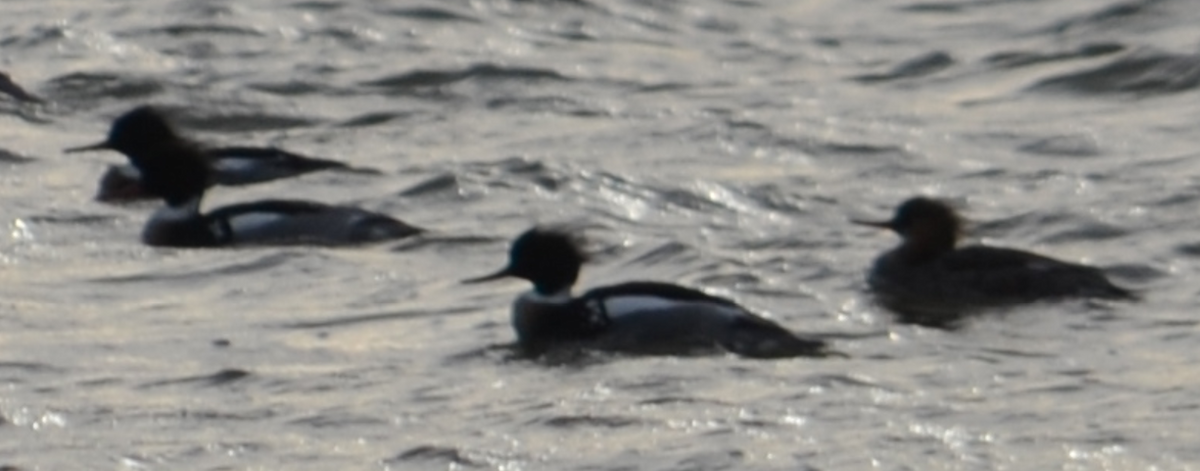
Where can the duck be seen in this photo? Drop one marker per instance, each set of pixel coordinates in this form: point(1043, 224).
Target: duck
point(178, 171)
point(231, 166)
point(636, 317)
point(928, 268)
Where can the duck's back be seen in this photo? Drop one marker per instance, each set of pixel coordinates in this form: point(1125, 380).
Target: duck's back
point(989, 275)
point(663, 318)
point(651, 317)
point(246, 165)
point(305, 222)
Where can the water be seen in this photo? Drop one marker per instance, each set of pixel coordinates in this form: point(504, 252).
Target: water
point(721, 144)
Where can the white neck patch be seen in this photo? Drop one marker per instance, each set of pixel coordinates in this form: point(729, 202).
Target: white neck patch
point(562, 297)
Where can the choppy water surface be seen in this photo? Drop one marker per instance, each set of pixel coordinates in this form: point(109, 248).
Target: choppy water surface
point(724, 144)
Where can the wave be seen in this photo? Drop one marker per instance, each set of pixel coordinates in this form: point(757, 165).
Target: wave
point(1146, 72)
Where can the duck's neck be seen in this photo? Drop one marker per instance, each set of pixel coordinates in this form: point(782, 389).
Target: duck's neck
point(556, 284)
point(561, 296)
point(180, 225)
point(179, 208)
point(922, 245)
point(542, 320)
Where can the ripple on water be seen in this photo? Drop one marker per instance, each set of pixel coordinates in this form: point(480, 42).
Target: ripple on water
point(1107, 16)
point(220, 378)
point(1144, 72)
point(440, 14)
point(1075, 145)
point(11, 157)
point(573, 421)
point(347, 320)
point(230, 120)
point(1017, 59)
point(293, 88)
point(338, 418)
point(15, 372)
point(374, 119)
point(258, 262)
point(199, 29)
point(409, 82)
point(86, 86)
point(921, 66)
point(435, 455)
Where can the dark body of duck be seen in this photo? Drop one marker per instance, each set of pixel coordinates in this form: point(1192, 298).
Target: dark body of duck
point(178, 171)
point(928, 269)
point(641, 317)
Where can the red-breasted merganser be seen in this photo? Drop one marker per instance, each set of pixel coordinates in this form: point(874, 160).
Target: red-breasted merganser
point(177, 171)
point(928, 270)
point(641, 317)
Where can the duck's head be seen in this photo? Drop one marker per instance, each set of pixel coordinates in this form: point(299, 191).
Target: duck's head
point(548, 258)
point(171, 167)
point(136, 131)
point(928, 223)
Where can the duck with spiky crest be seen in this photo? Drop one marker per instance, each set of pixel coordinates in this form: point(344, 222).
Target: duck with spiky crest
point(640, 317)
point(177, 171)
point(929, 269)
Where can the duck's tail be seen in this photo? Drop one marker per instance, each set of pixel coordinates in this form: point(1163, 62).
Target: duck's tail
point(755, 337)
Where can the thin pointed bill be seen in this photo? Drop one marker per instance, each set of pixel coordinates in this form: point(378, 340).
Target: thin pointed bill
point(503, 273)
point(879, 224)
point(90, 147)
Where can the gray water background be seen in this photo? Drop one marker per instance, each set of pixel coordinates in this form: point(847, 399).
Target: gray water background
point(721, 144)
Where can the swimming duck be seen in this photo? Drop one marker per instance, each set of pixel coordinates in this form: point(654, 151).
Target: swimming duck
point(179, 172)
point(641, 317)
point(928, 269)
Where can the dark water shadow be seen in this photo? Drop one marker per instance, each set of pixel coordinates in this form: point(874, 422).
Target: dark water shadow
point(220, 378)
point(436, 456)
point(1018, 59)
point(589, 421)
point(431, 14)
point(81, 86)
point(11, 157)
point(952, 317)
point(433, 241)
point(1107, 16)
point(1142, 73)
point(570, 357)
point(920, 66)
point(410, 82)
